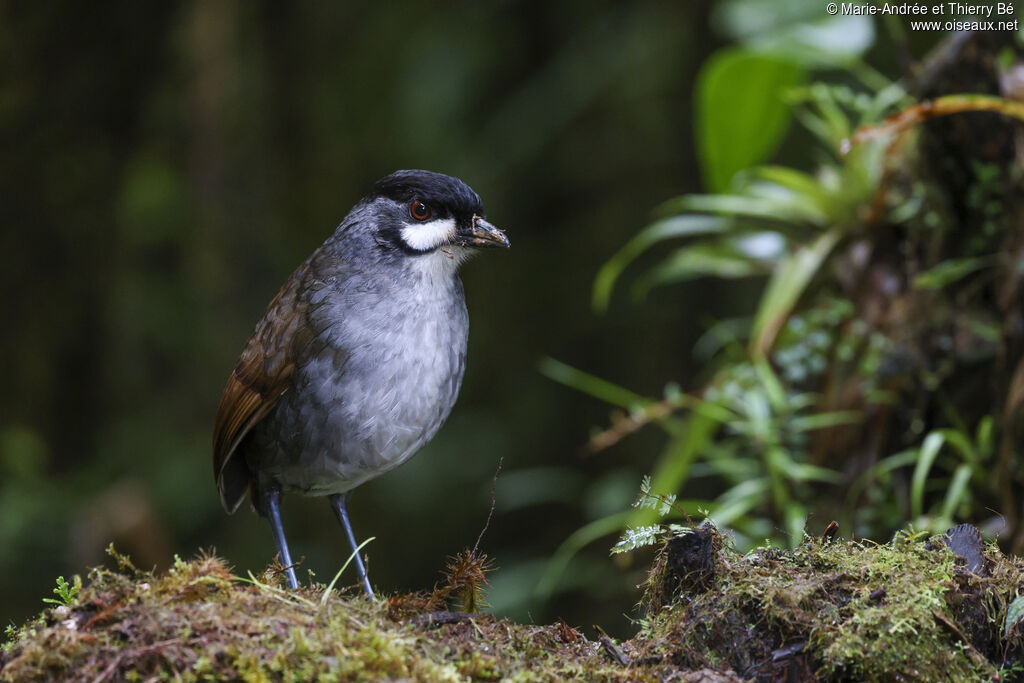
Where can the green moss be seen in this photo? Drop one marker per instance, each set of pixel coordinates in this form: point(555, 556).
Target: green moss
point(199, 622)
point(842, 611)
point(824, 611)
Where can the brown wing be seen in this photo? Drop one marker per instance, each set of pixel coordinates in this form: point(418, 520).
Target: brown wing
point(263, 373)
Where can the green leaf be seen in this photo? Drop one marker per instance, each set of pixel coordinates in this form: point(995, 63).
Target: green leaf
point(1014, 613)
point(893, 462)
point(66, 592)
point(795, 181)
point(956, 491)
point(984, 436)
point(715, 411)
point(739, 500)
point(925, 459)
point(720, 334)
point(636, 537)
point(578, 540)
point(806, 472)
point(789, 208)
point(667, 228)
point(832, 123)
point(788, 282)
point(780, 461)
point(831, 42)
point(772, 386)
point(700, 260)
point(591, 385)
point(741, 116)
point(796, 520)
point(947, 272)
point(798, 29)
point(809, 423)
point(961, 442)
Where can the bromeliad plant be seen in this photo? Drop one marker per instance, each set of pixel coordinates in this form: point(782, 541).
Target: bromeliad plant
point(844, 375)
point(775, 221)
point(750, 428)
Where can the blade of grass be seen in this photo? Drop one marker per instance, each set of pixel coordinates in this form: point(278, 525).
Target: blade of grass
point(290, 597)
point(772, 386)
point(705, 259)
point(739, 500)
point(893, 462)
point(673, 467)
point(925, 459)
point(578, 540)
point(948, 272)
point(798, 182)
point(787, 284)
point(961, 443)
point(956, 491)
point(808, 423)
point(665, 229)
point(796, 520)
point(330, 586)
point(984, 436)
point(782, 209)
point(591, 385)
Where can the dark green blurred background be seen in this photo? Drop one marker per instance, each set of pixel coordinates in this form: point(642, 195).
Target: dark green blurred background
point(166, 165)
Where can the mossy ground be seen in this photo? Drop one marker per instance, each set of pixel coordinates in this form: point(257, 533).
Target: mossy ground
point(837, 610)
point(200, 622)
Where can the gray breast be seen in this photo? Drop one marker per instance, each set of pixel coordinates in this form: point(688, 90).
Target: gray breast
point(381, 378)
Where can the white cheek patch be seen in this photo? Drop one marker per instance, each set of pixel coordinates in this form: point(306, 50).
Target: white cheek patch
point(429, 234)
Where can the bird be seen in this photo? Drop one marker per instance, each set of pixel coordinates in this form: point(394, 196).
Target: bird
point(358, 360)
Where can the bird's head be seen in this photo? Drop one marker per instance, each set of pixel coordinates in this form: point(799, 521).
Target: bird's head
point(422, 212)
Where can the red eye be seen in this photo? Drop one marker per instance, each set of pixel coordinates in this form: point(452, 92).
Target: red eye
point(419, 211)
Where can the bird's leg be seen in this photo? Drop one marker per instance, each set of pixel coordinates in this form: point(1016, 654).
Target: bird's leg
point(338, 502)
point(271, 496)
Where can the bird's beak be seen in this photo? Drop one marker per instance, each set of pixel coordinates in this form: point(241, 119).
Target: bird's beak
point(480, 233)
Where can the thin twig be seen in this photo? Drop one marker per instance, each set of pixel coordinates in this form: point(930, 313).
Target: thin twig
point(440, 618)
point(929, 109)
point(624, 426)
point(490, 513)
point(614, 652)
